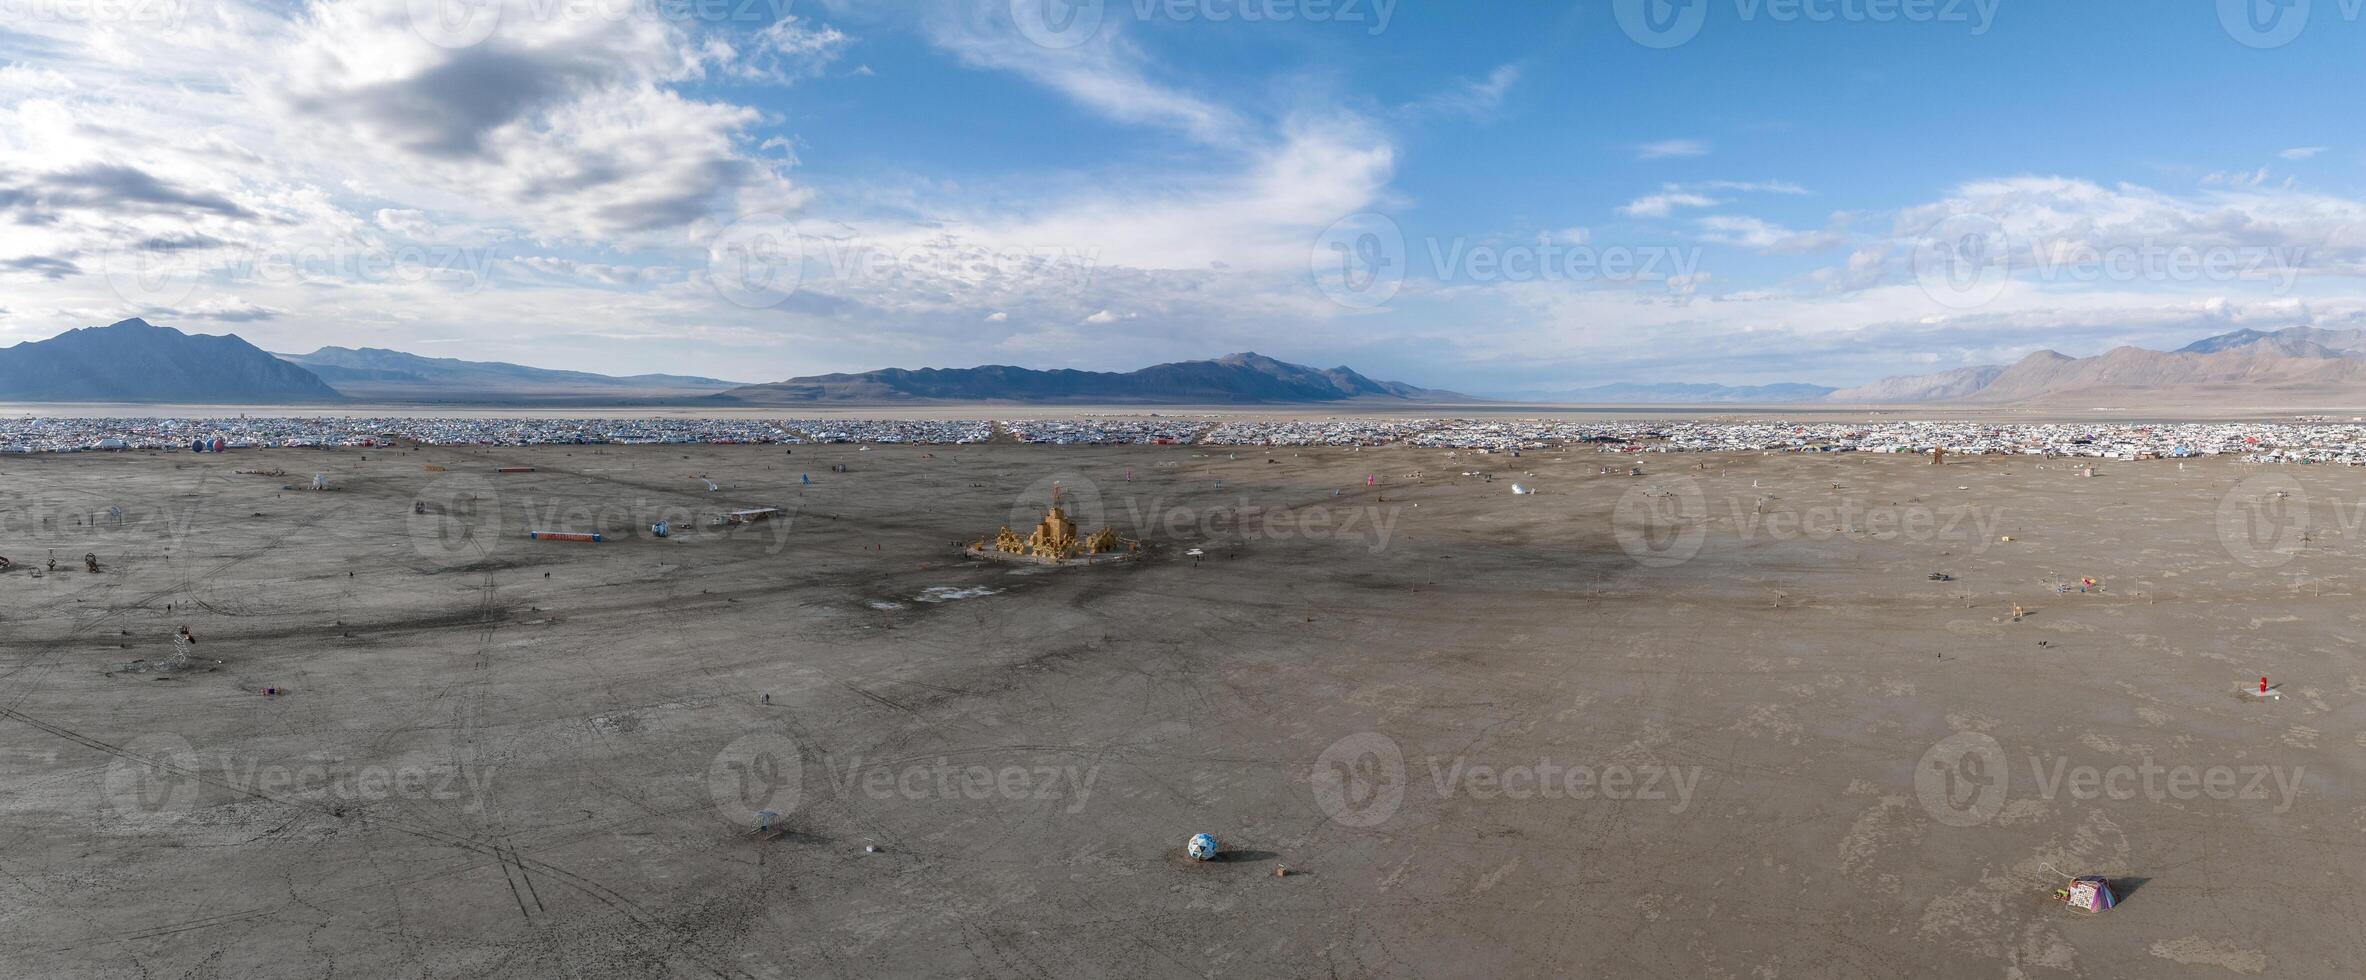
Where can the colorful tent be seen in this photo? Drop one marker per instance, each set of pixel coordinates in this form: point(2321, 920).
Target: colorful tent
point(2088, 893)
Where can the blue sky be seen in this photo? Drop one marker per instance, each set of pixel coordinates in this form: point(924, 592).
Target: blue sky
point(1525, 198)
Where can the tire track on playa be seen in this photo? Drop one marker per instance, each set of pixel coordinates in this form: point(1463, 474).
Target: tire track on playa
point(604, 895)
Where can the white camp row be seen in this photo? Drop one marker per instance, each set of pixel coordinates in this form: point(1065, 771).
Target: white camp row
point(2302, 441)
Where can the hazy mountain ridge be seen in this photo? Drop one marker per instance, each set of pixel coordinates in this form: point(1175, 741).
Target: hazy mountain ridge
point(2296, 366)
point(1246, 378)
point(378, 374)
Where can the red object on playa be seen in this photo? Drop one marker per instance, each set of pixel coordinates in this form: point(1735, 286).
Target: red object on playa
point(2263, 685)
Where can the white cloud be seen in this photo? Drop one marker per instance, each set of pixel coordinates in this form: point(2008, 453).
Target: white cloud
point(2301, 152)
point(1766, 237)
point(788, 49)
point(1105, 72)
point(1472, 97)
point(1661, 204)
point(2236, 178)
point(1756, 187)
point(1665, 149)
point(997, 316)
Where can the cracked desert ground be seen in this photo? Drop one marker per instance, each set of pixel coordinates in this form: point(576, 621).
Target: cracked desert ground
point(494, 756)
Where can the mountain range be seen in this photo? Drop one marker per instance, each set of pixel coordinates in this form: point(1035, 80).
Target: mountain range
point(2297, 367)
point(135, 361)
point(374, 374)
point(1247, 378)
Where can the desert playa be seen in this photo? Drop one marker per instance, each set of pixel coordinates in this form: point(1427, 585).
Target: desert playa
point(1743, 715)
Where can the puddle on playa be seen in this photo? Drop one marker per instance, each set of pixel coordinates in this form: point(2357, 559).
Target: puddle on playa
point(884, 605)
point(947, 593)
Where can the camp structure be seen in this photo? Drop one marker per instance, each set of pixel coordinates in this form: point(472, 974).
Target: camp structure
point(2087, 893)
point(1055, 541)
point(592, 536)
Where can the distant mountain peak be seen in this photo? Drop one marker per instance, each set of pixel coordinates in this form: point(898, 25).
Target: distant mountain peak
point(133, 360)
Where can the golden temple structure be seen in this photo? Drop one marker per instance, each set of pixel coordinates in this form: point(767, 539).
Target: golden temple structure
point(1055, 541)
